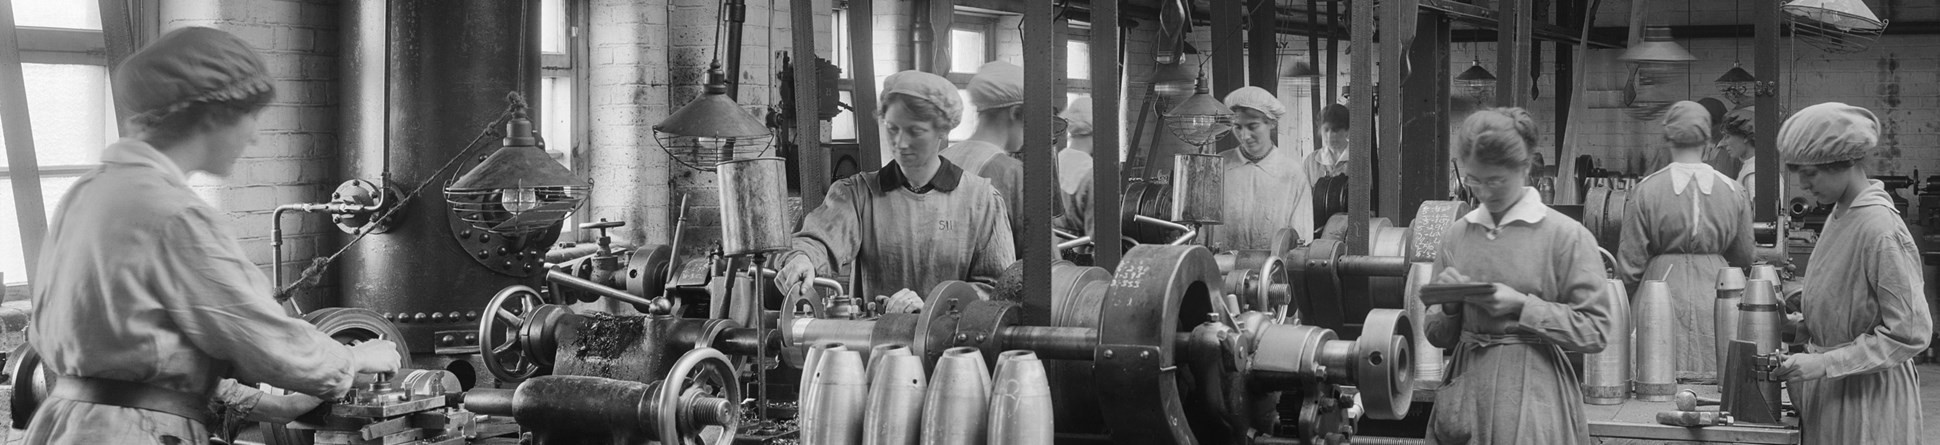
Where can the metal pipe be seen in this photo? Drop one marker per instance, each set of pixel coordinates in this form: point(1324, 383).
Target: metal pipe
point(673, 252)
point(589, 286)
point(1373, 265)
point(1056, 343)
point(825, 283)
point(276, 237)
point(1191, 232)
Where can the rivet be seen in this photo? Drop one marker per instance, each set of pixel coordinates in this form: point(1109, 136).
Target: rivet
point(437, 317)
point(502, 251)
point(1109, 354)
point(421, 316)
point(982, 337)
point(484, 237)
point(482, 254)
point(447, 339)
point(1144, 354)
point(465, 234)
point(471, 315)
point(454, 316)
point(962, 337)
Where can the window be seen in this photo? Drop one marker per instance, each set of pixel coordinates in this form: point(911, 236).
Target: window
point(560, 105)
point(842, 127)
point(72, 110)
point(973, 42)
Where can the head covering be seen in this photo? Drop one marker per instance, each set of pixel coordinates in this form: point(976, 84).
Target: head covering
point(1257, 99)
point(1078, 114)
point(1828, 132)
point(1742, 122)
point(1687, 124)
point(188, 66)
point(1717, 109)
point(997, 85)
point(928, 88)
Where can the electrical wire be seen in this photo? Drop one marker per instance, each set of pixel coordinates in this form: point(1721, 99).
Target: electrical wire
point(318, 265)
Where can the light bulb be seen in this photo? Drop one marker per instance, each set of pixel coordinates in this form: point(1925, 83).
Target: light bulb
point(519, 200)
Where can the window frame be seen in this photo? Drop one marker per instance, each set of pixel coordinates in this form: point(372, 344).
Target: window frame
point(574, 66)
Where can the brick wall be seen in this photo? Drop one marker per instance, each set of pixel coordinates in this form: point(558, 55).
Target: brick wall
point(297, 147)
point(650, 58)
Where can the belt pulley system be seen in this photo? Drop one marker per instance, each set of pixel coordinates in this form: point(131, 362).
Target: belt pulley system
point(1170, 359)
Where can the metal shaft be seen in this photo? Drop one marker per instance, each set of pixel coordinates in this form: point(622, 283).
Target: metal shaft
point(1057, 343)
point(589, 286)
point(1373, 265)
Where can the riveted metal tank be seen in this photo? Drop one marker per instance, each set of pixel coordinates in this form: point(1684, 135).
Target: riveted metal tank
point(421, 78)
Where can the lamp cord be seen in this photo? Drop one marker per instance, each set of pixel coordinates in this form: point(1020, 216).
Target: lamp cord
point(312, 274)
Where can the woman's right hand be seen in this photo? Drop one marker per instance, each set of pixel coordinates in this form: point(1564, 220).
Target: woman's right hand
point(375, 356)
point(1451, 276)
point(795, 275)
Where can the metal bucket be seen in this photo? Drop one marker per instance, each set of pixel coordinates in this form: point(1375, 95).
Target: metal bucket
point(1198, 189)
point(754, 206)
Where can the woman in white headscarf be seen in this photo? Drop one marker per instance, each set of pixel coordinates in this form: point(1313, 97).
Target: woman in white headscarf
point(1074, 168)
point(1266, 187)
point(1683, 224)
point(1865, 310)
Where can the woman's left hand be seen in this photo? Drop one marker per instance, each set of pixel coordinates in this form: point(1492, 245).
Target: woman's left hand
point(1798, 367)
point(1507, 300)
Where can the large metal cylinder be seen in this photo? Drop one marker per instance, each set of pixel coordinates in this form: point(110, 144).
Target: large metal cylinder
point(1655, 379)
point(1731, 291)
point(1759, 317)
point(1198, 189)
point(754, 206)
point(1606, 375)
point(421, 78)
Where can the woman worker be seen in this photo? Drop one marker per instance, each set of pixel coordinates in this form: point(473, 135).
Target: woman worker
point(1865, 312)
point(1264, 185)
point(1509, 381)
point(1684, 223)
point(918, 221)
point(1739, 128)
point(1074, 168)
point(144, 300)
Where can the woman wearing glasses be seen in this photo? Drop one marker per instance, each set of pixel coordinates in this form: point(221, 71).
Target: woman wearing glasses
point(1509, 381)
point(1684, 223)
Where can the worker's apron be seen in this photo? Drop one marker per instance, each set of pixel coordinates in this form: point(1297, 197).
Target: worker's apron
point(1692, 279)
point(1508, 388)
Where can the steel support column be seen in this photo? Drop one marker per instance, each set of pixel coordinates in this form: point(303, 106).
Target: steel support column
point(1513, 41)
point(808, 130)
point(1105, 75)
point(862, 67)
point(1765, 61)
point(1424, 105)
point(1040, 185)
point(1229, 65)
point(1360, 169)
point(1396, 30)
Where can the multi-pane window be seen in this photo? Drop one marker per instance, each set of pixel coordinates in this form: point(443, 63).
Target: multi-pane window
point(71, 110)
point(559, 103)
point(973, 42)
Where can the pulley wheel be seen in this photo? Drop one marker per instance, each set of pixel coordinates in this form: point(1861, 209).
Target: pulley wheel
point(700, 373)
point(1613, 217)
point(1336, 228)
point(1284, 240)
point(347, 326)
point(936, 325)
point(807, 304)
point(30, 383)
point(1158, 292)
point(502, 345)
point(1430, 225)
point(645, 275)
point(1276, 282)
point(1594, 203)
point(1383, 364)
point(1078, 293)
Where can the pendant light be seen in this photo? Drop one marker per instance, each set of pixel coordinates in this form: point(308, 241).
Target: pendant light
point(1476, 81)
point(1199, 120)
point(712, 128)
point(1736, 83)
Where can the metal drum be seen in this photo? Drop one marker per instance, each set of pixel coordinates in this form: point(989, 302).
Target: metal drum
point(754, 206)
point(1198, 189)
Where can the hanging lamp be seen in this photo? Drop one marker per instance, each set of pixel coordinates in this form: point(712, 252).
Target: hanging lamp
point(517, 190)
point(1199, 120)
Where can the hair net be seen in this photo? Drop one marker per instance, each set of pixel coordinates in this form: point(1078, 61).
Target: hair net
point(185, 67)
point(1742, 122)
point(1257, 99)
point(928, 88)
point(1078, 114)
point(1687, 123)
point(997, 85)
point(1828, 132)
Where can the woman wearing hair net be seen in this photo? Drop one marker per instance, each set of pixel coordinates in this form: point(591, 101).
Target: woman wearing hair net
point(1510, 381)
point(918, 221)
point(1865, 311)
point(1266, 187)
point(144, 303)
point(1683, 224)
point(1074, 168)
point(1738, 134)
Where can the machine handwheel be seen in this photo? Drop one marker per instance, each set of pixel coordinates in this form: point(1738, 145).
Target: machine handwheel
point(700, 373)
point(1276, 280)
point(501, 339)
point(1384, 366)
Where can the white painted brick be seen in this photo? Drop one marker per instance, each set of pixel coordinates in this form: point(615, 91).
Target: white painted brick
point(295, 39)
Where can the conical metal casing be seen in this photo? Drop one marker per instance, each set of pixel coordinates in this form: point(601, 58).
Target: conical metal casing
point(1731, 291)
point(841, 393)
point(1020, 401)
point(896, 388)
point(805, 397)
point(1606, 375)
point(1759, 316)
point(1655, 379)
point(958, 399)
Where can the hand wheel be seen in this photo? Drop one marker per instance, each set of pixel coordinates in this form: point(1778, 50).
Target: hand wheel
point(700, 400)
point(503, 335)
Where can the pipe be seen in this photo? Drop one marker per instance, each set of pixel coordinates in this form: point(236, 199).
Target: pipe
point(820, 282)
point(1191, 232)
point(589, 286)
point(276, 237)
point(1373, 265)
point(1055, 343)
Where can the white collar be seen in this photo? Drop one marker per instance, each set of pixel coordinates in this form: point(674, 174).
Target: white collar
point(1683, 174)
point(1529, 209)
point(137, 152)
point(1328, 158)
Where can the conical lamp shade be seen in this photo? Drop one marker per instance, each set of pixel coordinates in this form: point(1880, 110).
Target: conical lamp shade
point(712, 129)
point(1173, 79)
point(1657, 47)
point(1476, 73)
point(1735, 75)
point(1200, 119)
point(518, 189)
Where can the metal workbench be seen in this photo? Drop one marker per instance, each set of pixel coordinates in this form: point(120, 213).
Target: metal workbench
point(1637, 419)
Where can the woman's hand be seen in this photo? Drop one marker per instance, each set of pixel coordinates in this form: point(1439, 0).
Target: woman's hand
point(1451, 276)
point(1507, 300)
point(796, 275)
point(375, 356)
point(1799, 367)
point(904, 302)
